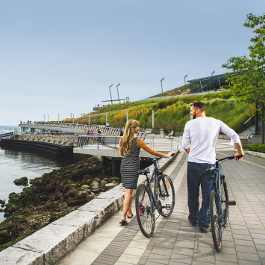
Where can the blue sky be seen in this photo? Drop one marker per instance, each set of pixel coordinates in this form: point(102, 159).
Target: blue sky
point(61, 56)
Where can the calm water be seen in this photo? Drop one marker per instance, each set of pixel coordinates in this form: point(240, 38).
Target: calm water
point(16, 164)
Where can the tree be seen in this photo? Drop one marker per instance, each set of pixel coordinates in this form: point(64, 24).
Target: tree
point(247, 80)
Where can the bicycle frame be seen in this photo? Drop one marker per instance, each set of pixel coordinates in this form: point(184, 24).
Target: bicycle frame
point(154, 175)
point(217, 182)
point(217, 185)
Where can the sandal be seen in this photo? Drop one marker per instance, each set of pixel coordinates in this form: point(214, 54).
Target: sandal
point(130, 216)
point(123, 223)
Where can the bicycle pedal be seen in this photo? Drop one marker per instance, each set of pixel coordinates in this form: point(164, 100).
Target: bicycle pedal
point(231, 202)
point(168, 207)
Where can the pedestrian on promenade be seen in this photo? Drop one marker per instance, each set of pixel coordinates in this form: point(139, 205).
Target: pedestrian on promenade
point(199, 141)
point(130, 147)
point(171, 134)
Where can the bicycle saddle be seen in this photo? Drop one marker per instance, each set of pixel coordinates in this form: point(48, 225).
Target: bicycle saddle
point(144, 171)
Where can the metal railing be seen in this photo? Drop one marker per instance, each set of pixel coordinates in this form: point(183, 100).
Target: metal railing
point(103, 140)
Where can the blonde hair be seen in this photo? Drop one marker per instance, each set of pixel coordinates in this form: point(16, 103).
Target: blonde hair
point(126, 139)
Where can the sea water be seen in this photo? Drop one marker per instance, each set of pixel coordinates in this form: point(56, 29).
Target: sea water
point(15, 164)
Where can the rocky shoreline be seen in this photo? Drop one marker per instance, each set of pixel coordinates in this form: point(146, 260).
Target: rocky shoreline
point(52, 196)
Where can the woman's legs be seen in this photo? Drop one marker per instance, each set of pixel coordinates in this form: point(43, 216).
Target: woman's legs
point(127, 205)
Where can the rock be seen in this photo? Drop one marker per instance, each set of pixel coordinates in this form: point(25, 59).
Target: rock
point(103, 183)
point(116, 179)
point(2, 202)
point(81, 194)
point(22, 181)
point(111, 185)
point(3, 236)
point(70, 194)
point(94, 185)
point(84, 187)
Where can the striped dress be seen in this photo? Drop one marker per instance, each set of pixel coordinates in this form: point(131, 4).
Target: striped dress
point(130, 165)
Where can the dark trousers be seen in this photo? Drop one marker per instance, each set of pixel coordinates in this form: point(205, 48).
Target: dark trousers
point(197, 176)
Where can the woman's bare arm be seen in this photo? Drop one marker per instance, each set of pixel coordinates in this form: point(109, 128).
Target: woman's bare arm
point(142, 144)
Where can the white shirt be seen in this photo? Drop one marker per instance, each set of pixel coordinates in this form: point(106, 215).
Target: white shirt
point(201, 136)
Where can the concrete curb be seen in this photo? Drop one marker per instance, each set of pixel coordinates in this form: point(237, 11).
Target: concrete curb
point(54, 241)
point(255, 154)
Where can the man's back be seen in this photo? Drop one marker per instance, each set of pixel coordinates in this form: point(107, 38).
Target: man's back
point(201, 136)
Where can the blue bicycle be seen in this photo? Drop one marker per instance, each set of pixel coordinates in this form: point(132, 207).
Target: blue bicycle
point(219, 203)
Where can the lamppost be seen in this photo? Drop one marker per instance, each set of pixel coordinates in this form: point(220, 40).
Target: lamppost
point(161, 84)
point(185, 80)
point(110, 93)
point(118, 92)
point(212, 78)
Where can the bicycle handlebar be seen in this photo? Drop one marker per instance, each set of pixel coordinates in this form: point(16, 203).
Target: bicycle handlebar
point(228, 157)
point(157, 158)
point(211, 170)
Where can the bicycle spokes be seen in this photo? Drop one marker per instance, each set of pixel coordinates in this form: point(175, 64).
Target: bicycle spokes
point(166, 195)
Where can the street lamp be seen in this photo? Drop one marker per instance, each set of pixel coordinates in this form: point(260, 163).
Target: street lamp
point(110, 93)
point(161, 84)
point(213, 73)
point(185, 80)
point(118, 92)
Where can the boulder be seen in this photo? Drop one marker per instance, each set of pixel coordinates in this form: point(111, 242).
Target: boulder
point(22, 181)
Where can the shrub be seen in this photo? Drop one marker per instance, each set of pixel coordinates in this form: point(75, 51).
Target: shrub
point(256, 148)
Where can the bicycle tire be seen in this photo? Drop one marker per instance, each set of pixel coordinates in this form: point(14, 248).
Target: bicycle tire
point(225, 199)
point(144, 210)
point(216, 221)
point(166, 194)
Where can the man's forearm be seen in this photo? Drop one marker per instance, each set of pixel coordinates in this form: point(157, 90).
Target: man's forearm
point(239, 148)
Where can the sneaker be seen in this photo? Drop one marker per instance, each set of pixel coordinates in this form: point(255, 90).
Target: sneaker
point(204, 230)
point(193, 223)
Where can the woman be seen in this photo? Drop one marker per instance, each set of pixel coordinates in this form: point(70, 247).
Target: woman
point(130, 147)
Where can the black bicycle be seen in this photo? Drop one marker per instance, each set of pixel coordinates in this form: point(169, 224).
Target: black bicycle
point(219, 203)
point(157, 193)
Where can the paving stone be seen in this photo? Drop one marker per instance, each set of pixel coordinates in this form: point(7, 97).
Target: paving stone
point(240, 242)
point(178, 258)
point(248, 256)
point(162, 251)
point(129, 258)
point(204, 257)
point(226, 257)
point(247, 262)
point(245, 249)
point(183, 251)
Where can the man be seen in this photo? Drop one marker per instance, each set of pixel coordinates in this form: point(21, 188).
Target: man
point(199, 141)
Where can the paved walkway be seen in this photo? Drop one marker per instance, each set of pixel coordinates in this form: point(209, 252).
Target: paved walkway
point(175, 240)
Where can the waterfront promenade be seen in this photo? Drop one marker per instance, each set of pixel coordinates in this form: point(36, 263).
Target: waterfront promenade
point(176, 241)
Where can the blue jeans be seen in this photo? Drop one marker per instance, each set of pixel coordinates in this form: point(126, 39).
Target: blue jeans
point(197, 176)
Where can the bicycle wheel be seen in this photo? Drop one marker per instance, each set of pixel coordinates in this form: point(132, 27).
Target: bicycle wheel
point(144, 210)
point(216, 221)
point(224, 198)
point(166, 194)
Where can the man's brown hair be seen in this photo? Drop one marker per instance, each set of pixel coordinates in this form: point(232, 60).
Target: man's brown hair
point(200, 105)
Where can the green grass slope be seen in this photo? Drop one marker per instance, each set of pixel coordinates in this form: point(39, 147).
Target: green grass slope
point(173, 112)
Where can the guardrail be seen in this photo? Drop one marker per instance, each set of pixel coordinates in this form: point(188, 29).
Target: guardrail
point(110, 141)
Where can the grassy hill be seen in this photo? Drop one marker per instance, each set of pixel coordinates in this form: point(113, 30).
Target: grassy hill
point(173, 112)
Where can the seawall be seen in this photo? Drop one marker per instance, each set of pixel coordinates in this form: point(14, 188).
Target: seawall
point(59, 148)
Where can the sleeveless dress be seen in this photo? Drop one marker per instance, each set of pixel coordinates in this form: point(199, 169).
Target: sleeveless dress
point(130, 165)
